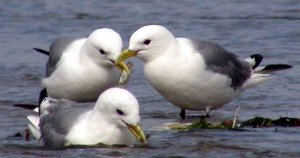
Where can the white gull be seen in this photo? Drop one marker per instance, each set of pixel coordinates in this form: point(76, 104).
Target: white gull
point(81, 69)
point(114, 120)
point(194, 74)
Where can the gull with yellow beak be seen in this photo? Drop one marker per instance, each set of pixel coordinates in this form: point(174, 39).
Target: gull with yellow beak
point(81, 69)
point(194, 74)
point(114, 120)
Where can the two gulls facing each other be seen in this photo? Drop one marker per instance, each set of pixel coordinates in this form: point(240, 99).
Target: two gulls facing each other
point(81, 69)
point(194, 74)
point(114, 120)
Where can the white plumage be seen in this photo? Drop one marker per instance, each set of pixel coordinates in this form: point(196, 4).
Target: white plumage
point(114, 120)
point(81, 69)
point(193, 74)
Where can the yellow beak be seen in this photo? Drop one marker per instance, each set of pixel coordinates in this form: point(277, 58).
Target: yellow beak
point(137, 131)
point(125, 55)
point(122, 66)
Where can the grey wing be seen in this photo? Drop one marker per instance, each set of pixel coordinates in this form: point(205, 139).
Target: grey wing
point(221, 61)
point(55, 125)
point(55, 52)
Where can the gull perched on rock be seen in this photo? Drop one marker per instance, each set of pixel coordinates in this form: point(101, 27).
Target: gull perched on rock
point(81, 69)
point(194, 74)
point(114, 120)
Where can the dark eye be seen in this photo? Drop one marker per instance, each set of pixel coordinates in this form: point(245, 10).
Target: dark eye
point(146, 42)
point(102, 51)
point(120, 112)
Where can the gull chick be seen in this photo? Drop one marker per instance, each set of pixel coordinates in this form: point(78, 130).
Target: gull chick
point(194, 74)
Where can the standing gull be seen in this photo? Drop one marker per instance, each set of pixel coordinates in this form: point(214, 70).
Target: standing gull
point(194, 74)
point(81, 69)
point(114, 120)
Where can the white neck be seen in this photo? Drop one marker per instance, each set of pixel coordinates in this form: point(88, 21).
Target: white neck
point(84, 54)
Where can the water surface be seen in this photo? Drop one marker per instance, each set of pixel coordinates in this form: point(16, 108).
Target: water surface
point(243, 27)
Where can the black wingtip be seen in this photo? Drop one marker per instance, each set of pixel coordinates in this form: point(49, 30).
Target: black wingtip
point(278, 67)
point(41, 51)
point(258, 58)
point(26, 106)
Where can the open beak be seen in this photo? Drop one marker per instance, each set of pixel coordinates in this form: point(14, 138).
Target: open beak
point(125, 55)
point(122, 66)
point(137, 131)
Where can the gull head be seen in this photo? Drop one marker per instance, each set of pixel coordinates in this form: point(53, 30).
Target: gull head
point(121, 108)
point(148, 43)
point(103, 46)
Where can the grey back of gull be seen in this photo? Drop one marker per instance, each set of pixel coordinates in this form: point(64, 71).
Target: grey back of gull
point(55, 52)
point(55, 125)
point(221, 61)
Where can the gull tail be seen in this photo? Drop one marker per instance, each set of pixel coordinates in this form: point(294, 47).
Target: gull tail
point(36, 108)
point(34, 121)
point(271, 68)
point(41, 51)
point(261, 73)
point(33, 126)
point(257, 58)
point(26, 106)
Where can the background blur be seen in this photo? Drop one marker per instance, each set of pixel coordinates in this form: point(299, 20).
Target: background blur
point(271, 28)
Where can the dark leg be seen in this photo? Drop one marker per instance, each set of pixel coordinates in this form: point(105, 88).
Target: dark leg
point(43, 95)
point(207, 115)
point(203, 118)
point(182, 114)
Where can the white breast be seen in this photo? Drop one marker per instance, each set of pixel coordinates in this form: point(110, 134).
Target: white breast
point(89, 132)
point(75, 81)
point(184, 81)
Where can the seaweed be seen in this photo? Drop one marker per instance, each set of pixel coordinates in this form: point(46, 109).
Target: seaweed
point(229, 124)
point(256, 122)
point(267, 122)
point(226, 124)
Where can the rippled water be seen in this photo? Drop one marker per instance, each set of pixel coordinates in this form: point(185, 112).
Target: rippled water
point(244, 27)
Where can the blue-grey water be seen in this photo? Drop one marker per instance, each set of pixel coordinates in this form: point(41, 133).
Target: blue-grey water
point(271, 28)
